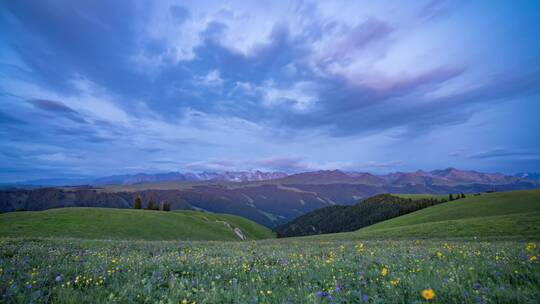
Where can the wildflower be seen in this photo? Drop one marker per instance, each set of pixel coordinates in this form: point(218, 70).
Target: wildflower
point(394, 282)
point(359, 247)
point(533, 258)
point(268, 292)
point(322, 294)
point(384, 271)
point(428, 294)
point(58, 279)
point(184, 301)
point(531, 246)
point(365, 298)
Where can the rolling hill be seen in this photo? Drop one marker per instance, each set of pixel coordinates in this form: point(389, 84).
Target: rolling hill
point(109, 223)
point(349, 218)
point(264, 198)
point(512, 214)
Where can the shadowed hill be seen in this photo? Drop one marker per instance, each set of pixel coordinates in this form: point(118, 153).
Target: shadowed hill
point(515, 213)
point(349, 218)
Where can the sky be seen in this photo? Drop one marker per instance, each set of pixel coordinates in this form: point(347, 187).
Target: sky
point(94, 88)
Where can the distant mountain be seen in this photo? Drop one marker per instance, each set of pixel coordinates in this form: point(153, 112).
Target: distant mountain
point(319, 177)
point(349, 218)
point(268, 198)
point(450, 177)
point(142, 178)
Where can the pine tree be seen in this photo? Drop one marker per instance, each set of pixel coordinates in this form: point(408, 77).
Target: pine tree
point(150, 205)
point(462, 195)
point(137, 204)
point(450, 197)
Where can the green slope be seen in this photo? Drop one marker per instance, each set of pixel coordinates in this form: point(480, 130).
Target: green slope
point(419, 196)
point(108, 223)
point(515, 213)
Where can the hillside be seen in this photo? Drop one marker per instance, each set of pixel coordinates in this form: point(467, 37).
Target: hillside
point(108, 223)
point(515, 213)
point(271, 202)
point(349, 218)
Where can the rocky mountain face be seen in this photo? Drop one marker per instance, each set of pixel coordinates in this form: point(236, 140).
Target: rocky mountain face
point(270, 199)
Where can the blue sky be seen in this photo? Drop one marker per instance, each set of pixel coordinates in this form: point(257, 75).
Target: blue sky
point(92, 88)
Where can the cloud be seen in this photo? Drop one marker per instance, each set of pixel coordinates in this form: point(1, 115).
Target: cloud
point(286, 164)
point(59, 108)
point(506, 153)
point(180, 14)
point(193, 82)
point(6, 119)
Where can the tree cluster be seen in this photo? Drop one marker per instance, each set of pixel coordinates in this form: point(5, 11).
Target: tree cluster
point(162, 206)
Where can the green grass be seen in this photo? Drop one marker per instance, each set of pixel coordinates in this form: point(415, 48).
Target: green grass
point(513, 214)
point(273, 271)
point(108, 223)
point(419, 196)
point(37, 265)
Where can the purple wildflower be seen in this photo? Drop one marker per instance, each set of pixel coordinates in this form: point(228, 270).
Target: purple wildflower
point(322, 294)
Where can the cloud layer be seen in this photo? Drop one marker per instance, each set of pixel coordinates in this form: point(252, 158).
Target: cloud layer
point(105, 87)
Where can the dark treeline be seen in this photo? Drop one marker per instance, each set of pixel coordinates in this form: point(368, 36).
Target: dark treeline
point(163, 206)
point(349, 218)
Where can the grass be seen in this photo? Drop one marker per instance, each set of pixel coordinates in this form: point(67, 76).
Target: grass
point(272, 271)
point(108, 223)
point(514, 214)
point(419, 196)
point(324, 269)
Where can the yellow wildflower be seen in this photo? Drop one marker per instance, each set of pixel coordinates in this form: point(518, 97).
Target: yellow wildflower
point(384, 271)
point(428, 294)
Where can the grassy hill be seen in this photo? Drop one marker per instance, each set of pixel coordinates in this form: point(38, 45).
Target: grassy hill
point(350, 218)
point(420, 196)
point(515, 213)
point(109, 223)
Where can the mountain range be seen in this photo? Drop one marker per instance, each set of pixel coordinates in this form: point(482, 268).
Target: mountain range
point(269, 198)
point(449, 176)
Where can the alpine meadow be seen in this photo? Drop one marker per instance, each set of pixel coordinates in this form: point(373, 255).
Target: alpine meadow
point(290, 151)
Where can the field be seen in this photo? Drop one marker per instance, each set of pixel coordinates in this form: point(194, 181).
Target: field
point(509, 214)
point(273, 271)
point(418, 196)
point(482, 249)
point(109, 223)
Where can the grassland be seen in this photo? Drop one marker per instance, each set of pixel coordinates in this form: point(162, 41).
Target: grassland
point(108, 223)
point(419, 196)
point(272, 271)
point(377, 267)
point(512, 214)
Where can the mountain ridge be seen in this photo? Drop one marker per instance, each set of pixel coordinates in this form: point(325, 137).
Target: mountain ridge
point(448, 176)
